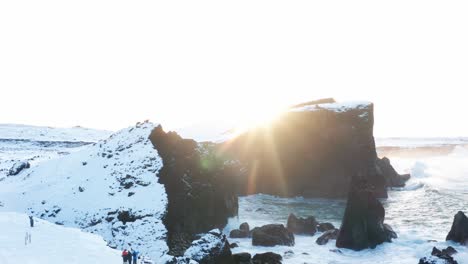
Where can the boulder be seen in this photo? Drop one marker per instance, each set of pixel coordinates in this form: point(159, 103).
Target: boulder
point(267, 258)
point(237, 233)
point(362, 226)
point(242, 232)
point(327, 236)
point(198, 186)
point(242, 258)
point(392, 178)
point(319, 147)
point(211, 248)
point(18, 167)
point(323, 227)
point(272, 235)
point(459, 231)
point(440, 256)
point(306, 226)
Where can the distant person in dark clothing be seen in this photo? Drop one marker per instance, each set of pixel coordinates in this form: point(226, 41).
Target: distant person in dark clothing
point(135, 256)
point(31, 221)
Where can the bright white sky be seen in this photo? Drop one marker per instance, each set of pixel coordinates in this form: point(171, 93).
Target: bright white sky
point(108, 64)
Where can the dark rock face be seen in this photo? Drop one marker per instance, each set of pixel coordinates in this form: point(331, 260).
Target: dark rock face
point(200, 195)
point(459, 231)
point(362, 226)
point(311, 150)
point(212, 248)
point(438, 255)
point(272, 235)
point(18, 167)
point(242, 258)
point(327, 236)
point(392, 178)
point(242, 232)
point(323, 227)
point(306, 226)
point(267, 258)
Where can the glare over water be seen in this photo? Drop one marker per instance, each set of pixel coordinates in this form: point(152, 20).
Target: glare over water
point(421, 213)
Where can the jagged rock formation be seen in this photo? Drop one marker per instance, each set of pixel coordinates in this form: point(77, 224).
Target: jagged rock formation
point(327, 236)
point(459, 231)
point(272, 235)
point(392, 178)
point(242, 232)
point(307, 226)
point(209, 249)
point(440, 256)
point(362, 226)
point(200, 197)
point(312, 150)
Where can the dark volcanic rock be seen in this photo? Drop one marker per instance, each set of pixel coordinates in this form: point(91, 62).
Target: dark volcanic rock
point(242, 258)
point(327, 236)
point(272, 235)
point(267, 258)
point(459, 231)
point(438, 256)
point(302, 225)
point(198, 186)
point(362, 226)
point(212, 248)
point(312, 150)
point(323, 227)
point(392, 178)
point(242, 232)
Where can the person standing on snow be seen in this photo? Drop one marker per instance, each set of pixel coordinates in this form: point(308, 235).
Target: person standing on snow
point(125, 255)
point(31, 221)
point(135, 256)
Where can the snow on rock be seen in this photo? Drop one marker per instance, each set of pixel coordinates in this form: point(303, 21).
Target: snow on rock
point(18, 167)
point(50, 243)
point(210, 248)
point(109, 188)
point(335, 107)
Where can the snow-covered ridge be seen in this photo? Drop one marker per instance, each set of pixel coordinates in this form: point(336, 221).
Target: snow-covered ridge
point(39, 133)
point(109, 188)
point(335, 107)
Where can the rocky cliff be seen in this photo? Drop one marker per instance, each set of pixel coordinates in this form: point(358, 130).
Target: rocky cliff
point(197, 183)
point(313, 150)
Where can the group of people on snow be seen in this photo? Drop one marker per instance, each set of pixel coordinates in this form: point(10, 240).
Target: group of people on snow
point(130, 256)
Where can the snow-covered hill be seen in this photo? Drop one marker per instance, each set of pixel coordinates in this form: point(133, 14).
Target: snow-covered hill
point(109, 188)
point(50, 243)
point(33, 144)
point(39, 133)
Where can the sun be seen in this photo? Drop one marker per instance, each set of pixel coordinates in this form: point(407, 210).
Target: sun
point(260, 117)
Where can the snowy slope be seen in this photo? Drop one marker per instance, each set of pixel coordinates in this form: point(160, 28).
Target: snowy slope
point(37, 144)
point(109, 188)
point(39, 133)
point(50, 243)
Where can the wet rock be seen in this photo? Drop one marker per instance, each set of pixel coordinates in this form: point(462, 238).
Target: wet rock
point(267, 258)
point(362, 226)
point(242, 232)
point(307, 226)
point(323, 227)
point(440, 256)
point(242, 258)
point(233, 245)
point(392, 178)
point(272, 235)
point(244, 227)
point(18, 167)
point(327, 236)
point(459, 231)
point(81, 189)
